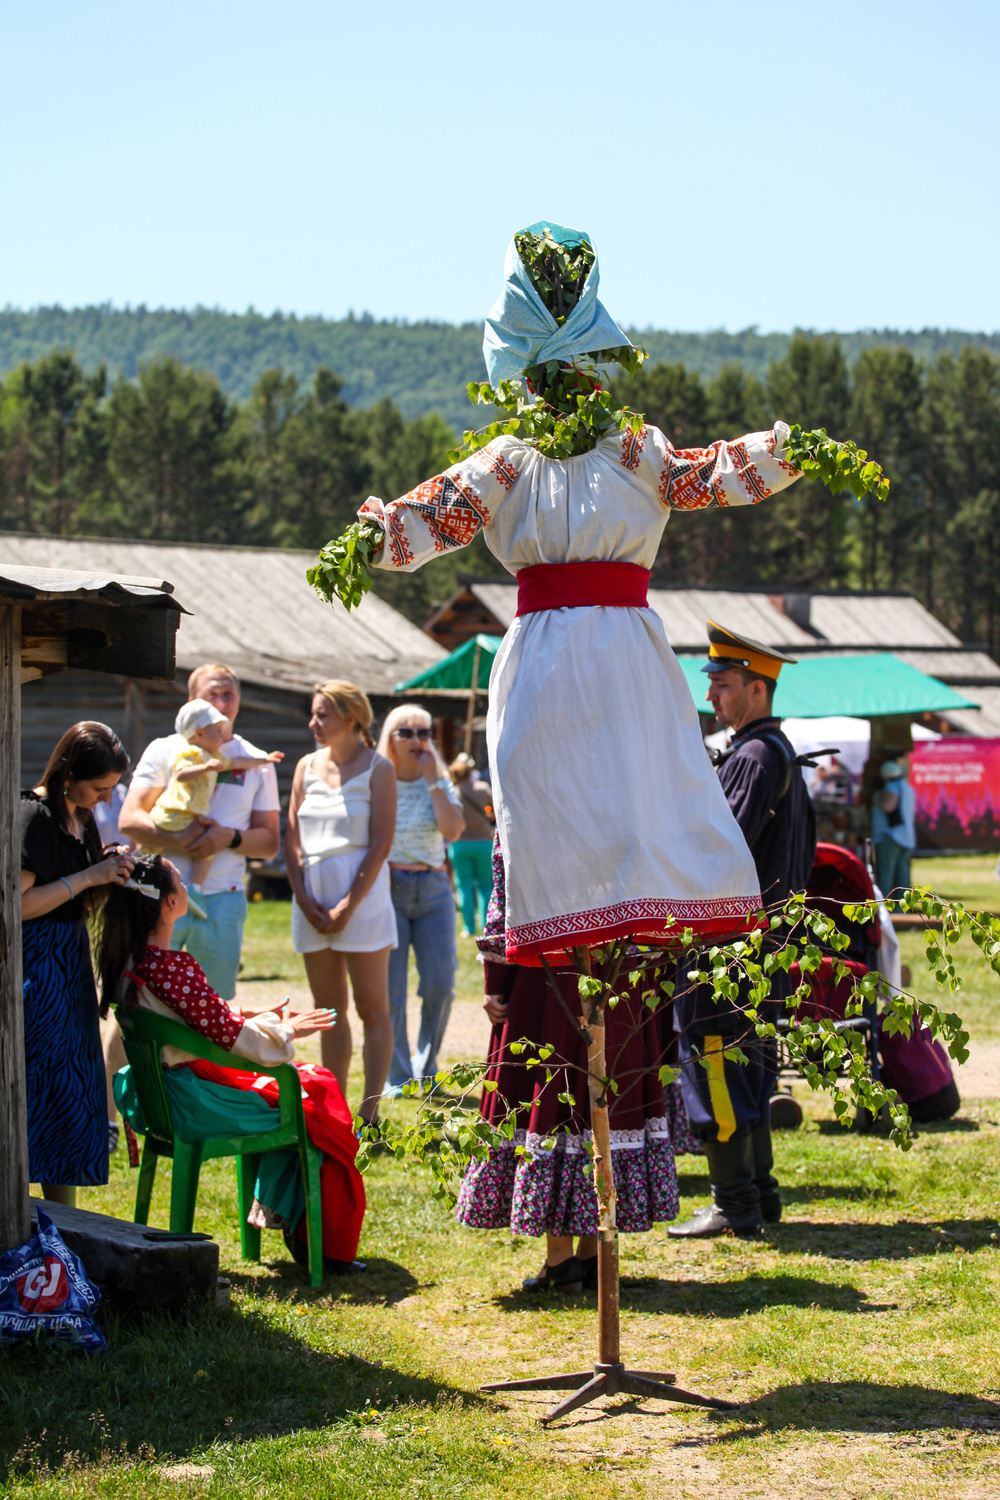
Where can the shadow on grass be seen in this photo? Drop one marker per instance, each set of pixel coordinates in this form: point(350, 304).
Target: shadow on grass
point(858, 1406)
point(861, 1406)
point(382, 1284)
point(733, 1299)
point(177, 1384)
point(710, 1299)
point(899, 1241)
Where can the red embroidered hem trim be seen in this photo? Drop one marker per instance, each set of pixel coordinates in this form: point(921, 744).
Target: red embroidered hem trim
point(581, 585)
point(653, 921)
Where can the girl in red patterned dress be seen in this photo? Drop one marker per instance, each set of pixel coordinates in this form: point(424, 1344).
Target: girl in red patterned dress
point(139, 968)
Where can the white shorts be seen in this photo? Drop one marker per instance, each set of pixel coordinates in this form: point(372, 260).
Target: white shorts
point(373, 923)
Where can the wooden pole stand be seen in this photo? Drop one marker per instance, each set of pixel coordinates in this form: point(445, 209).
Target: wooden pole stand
point(610, 1377)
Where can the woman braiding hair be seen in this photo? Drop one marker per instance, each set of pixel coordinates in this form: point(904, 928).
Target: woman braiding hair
point(65, 875)
point(139, 969)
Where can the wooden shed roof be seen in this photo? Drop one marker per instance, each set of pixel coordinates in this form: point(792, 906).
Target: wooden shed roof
point(103, 621)
point(21, 584)
point(250, 607)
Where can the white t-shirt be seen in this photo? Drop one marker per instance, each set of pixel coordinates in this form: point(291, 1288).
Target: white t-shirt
point(237, 795)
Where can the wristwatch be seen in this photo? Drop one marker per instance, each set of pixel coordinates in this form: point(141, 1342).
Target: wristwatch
point(441, 785)
point(236, 840)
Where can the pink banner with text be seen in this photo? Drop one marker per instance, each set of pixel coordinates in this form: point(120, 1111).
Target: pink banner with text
point(957, 786)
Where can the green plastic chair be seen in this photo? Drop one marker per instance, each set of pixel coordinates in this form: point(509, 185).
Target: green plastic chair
point(144, 1034)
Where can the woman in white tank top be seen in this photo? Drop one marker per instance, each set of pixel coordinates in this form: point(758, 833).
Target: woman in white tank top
point(341, 822)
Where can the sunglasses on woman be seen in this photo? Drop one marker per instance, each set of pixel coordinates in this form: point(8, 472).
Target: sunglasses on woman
point(408, 734)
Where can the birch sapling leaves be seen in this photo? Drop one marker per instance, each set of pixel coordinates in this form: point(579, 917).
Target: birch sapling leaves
point(447, 1133)
point(343, 568)
point(840, 466)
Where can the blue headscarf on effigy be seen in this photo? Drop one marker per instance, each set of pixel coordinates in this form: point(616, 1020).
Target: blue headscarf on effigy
point(520, 330)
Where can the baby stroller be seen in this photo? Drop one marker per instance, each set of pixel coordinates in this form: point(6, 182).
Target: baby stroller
point(838, 877)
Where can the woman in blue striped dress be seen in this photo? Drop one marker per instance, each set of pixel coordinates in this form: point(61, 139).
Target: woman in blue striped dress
point(62, 872)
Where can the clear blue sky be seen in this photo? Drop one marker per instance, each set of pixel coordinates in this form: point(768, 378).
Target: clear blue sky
point(826, 165)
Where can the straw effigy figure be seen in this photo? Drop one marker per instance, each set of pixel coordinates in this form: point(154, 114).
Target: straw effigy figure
point(611, 819)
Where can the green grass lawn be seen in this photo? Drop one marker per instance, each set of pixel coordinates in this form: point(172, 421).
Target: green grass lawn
point(862, 1336)
point(969, 878)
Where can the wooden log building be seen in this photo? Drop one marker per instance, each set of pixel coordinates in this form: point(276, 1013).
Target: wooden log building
point(249, 607)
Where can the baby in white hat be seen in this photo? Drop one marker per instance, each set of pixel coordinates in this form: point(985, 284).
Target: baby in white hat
point(193, 778)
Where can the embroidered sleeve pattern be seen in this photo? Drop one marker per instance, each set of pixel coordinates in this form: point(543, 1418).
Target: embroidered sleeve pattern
point(443, 513)
point(742, 472)
point(632, 446)
point(494, 462)
point(177, 980)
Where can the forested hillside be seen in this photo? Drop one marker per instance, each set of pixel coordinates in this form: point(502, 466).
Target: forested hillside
point(421, 367)
point(171, 455)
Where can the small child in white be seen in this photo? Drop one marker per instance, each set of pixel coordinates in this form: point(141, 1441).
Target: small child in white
point(192, 781)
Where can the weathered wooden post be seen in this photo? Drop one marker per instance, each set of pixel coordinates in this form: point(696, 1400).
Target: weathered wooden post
point(15, 1211)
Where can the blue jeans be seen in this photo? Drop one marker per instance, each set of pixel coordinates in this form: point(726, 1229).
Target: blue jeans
point(217, 941)
point(425, 917)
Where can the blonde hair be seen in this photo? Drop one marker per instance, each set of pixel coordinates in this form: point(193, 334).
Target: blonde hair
point(462, 766)
point(394, 718)
point(350, 701)
point(210, 669)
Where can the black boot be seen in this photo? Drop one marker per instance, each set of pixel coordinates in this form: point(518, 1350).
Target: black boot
point(566, 1277)
point(764, 1180)
point(736, 1203)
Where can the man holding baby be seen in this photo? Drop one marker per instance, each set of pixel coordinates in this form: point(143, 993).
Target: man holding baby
point(241, 824)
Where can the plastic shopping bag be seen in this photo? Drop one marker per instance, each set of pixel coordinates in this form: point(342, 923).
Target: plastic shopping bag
point(46, 1293)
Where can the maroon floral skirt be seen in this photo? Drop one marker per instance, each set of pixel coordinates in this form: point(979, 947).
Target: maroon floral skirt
point(542, 1181)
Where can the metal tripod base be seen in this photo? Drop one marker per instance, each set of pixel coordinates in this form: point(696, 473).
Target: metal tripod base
point(608, 1380)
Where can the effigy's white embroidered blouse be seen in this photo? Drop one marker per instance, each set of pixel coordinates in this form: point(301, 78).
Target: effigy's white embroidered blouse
point(611, 818)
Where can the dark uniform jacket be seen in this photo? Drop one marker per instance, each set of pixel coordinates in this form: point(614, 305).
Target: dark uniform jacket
point(781, 831)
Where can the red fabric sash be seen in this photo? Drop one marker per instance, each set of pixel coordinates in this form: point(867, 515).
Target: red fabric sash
point(577, 585)
point(329, 1125)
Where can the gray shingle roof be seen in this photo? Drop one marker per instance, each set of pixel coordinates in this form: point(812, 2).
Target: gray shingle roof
point(882, 621)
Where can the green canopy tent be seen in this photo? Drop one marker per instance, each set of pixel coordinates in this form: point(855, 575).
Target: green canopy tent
point(869, 686)
point(463, 674)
